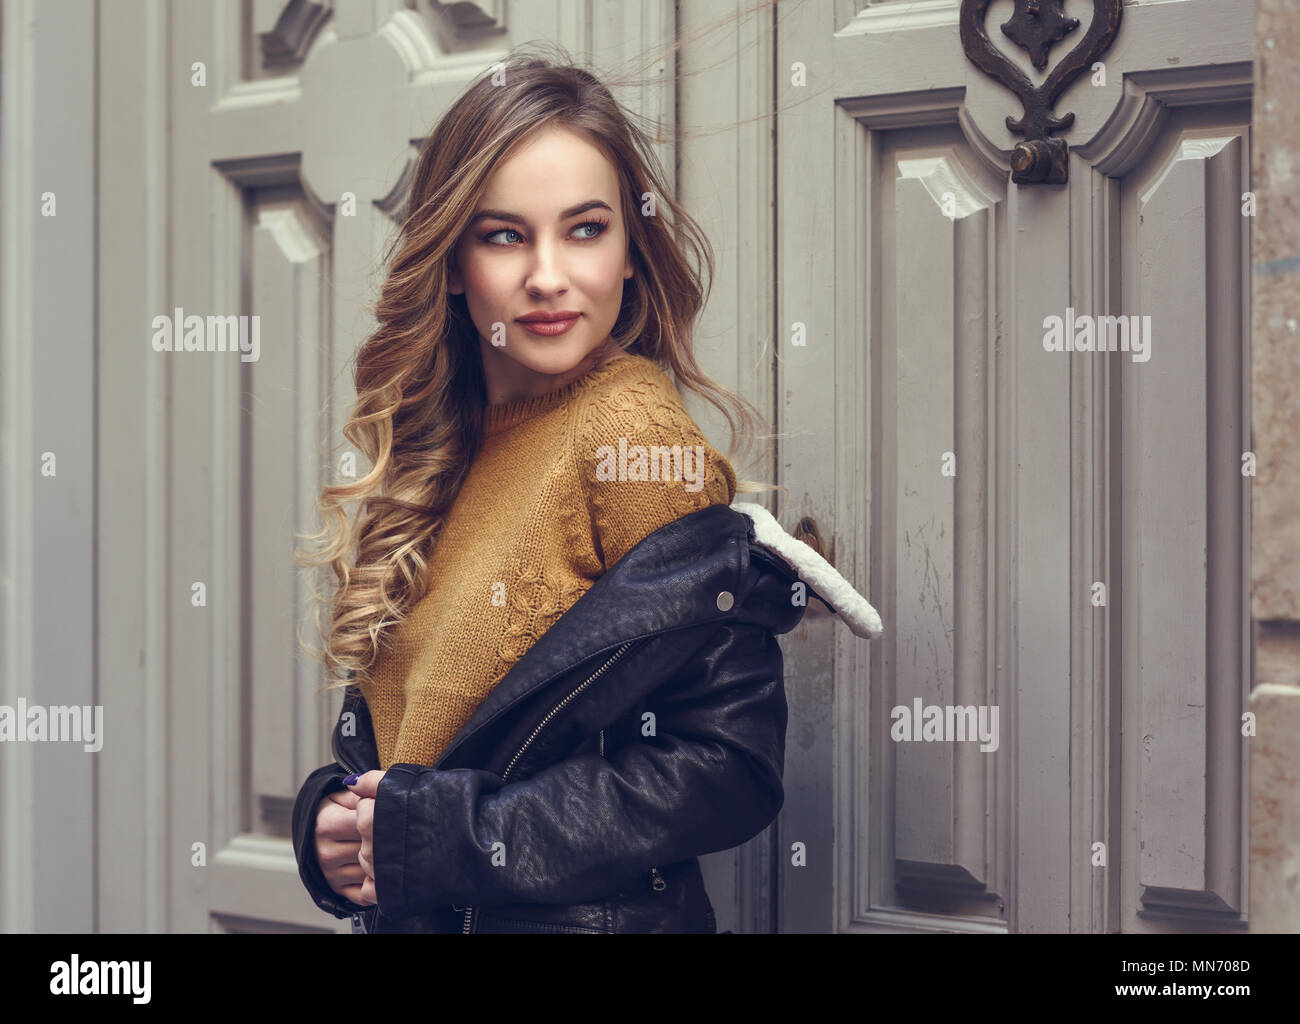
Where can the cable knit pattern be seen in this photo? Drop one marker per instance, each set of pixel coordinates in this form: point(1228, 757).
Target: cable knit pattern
point(661, 466)
point(566, 483)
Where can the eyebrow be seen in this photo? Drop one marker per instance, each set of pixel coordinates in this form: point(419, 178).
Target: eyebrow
point(514, 218)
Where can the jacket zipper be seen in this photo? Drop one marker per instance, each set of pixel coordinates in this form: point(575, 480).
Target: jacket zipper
point(467, 927)
point(343, 762)
point(338, 756)
point(657, 881)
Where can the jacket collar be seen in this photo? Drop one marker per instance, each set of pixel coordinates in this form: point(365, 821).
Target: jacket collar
point(822, 579)
point(696, 569)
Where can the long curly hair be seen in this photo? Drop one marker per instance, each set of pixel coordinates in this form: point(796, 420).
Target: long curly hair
point(419, 413)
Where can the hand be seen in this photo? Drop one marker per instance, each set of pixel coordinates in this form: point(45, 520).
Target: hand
point(337, 843)
point(366, 789)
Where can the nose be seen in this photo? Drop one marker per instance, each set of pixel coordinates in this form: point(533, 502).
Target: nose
point(546, 274)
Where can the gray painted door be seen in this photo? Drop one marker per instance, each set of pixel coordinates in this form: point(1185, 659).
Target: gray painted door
point(977, 486)
point(1057, 535)
point(261, 179)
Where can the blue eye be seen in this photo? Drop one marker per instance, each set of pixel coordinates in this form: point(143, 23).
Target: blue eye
point(599, 227)
point(503, 231)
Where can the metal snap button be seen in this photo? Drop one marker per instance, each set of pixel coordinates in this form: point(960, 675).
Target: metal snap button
point(725, 601)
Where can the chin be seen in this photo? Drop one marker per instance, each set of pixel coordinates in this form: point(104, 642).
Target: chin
point(550, 358)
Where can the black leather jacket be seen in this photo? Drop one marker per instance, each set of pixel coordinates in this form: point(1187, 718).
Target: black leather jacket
point(643, 729)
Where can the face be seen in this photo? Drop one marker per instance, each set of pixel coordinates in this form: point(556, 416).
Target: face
point(547, 237)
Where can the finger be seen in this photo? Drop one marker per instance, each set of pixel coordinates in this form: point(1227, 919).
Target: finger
point(342, 830)
point(368, 784)
point(353, 893)
point(368, 895)
point(367, 865)
point(330, 852)
point(366, 818)
point(345, 798)
point(338, 823)
point(350, 873)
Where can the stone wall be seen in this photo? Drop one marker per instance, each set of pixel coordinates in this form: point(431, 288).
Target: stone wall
point(1275, 493)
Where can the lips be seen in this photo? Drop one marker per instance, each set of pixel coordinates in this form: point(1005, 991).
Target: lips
point(549, 325)
point(549, 318)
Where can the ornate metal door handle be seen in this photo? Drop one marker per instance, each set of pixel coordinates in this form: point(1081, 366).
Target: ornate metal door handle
point(1036, 26)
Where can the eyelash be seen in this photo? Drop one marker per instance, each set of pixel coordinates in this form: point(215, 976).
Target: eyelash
point(602, 224)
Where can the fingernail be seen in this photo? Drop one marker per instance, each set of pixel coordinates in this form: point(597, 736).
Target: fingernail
point(351, 780)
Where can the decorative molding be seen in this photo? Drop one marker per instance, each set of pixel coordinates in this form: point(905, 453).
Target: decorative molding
point(907, 109)
point(18, 611)
point(1040, 159)
point(1198, 903)
point(926, 879)
point(473, 17)
point(262, 92)
point(393, 205)
point(945, 173)
point(880, 18)
point(262, 171)
point(295, 28)
point(272, 170)
point(911, 922)
point(407, 34)
point(255, 887)
point(1140, 115)
point(927, 107)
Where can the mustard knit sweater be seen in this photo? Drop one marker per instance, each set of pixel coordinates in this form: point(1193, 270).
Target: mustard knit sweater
point(565, 484)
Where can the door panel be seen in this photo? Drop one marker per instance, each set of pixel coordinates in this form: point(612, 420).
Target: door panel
point(1060, 535)
point(939, 224)
point(1183, 430)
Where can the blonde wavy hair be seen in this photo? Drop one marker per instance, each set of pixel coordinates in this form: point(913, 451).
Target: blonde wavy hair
point(419, 380)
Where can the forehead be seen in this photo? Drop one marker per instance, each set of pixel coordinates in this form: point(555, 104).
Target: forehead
point(548, 171)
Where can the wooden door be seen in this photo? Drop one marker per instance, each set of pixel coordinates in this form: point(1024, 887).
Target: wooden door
point(1057, 535)
point(253, 163)
point(976, 485)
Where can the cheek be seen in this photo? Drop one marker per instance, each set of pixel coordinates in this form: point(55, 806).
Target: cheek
point(481, 284)
point(606, 276)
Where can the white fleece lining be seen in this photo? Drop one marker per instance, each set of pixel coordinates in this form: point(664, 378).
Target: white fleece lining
point(835, 591)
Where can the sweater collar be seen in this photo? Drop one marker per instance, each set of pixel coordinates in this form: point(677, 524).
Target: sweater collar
point(822, 578)
point(505, 415)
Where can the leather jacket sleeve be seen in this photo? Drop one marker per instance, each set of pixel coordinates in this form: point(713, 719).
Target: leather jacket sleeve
point(324, 780)
point(585, 827)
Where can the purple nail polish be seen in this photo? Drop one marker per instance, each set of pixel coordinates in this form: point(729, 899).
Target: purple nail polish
point(351, 780)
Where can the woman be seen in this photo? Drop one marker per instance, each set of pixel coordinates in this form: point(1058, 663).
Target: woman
point(561, 638)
